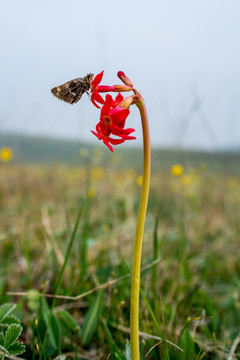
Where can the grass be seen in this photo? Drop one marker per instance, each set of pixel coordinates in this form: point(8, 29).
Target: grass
point(190, 294)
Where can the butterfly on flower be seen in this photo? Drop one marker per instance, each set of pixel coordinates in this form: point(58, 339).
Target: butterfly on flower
point(72, 91)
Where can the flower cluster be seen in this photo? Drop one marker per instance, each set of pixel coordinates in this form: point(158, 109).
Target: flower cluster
point(114, 112)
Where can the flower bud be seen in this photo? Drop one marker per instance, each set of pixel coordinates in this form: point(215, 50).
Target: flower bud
point(124, 79)
point(127, 102)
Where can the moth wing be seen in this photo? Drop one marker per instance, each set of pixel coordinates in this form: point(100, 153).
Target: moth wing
point(70, 92)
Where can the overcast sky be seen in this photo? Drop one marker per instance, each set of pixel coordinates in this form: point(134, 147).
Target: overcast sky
point(182, 55)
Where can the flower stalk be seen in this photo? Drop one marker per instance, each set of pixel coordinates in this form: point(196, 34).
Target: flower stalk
point(135, 286)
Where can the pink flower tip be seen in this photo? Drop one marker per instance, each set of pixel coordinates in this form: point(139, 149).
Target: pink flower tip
point(121, 74)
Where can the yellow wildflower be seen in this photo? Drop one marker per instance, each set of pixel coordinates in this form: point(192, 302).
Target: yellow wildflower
point(177, 170)
point(6, 154)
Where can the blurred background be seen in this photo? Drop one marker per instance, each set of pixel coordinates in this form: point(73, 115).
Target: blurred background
point(183, 56)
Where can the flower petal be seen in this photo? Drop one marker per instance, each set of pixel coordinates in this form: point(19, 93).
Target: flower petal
point(109, 100)
point(99, 136)
point(96, 97)
point(118, 130)
point(119, 114)
point(96, 81)
point(105, 111)
point(105, 141)
point(118, 99)
point(105, 88)
point(115, 141)
point(127, 137)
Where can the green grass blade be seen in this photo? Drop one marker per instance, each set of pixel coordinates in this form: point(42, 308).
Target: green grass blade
point(91, 319)
point(109, 336)
point(1, 339)
point(155, 256)
point(187, 344)
point(70, 322)
point(53, 328)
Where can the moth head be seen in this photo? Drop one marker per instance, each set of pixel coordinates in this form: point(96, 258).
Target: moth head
point(90, 77)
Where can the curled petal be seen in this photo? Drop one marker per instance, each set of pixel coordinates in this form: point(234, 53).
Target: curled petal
point(96, 97)
point(106, 142)
point(115, 141)
point(99, 136)
point(120, 131)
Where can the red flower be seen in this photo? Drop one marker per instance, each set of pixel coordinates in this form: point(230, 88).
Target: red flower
point(112, 121)
point(96, 88)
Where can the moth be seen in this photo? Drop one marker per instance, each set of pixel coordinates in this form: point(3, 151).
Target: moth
point(72, 91)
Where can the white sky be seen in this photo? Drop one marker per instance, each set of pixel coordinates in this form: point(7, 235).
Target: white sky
point(180, 54)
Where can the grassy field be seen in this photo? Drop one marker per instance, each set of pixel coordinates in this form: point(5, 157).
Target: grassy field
point(191, 259)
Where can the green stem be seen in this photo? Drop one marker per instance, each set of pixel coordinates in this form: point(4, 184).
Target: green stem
point(135, 287)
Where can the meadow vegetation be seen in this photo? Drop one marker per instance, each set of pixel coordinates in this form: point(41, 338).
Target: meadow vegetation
point(191, 259)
